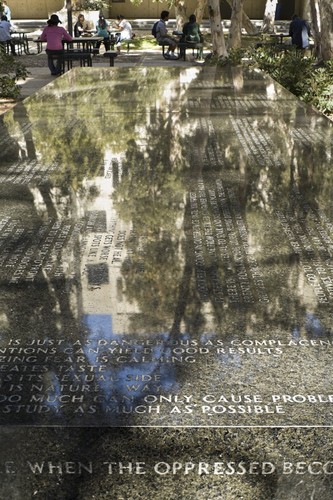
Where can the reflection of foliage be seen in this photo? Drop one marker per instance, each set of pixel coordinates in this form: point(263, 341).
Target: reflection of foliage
point(85, 117)
point(153, 192)
point(10, 71)
point(70, 148)
point(74, 133)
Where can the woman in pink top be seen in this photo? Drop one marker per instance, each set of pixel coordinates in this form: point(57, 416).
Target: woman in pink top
point(54, 35)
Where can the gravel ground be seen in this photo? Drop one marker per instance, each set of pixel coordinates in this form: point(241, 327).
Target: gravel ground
point(33, 61)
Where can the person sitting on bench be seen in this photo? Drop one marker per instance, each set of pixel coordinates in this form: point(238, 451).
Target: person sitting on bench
point(163, 37)
point(5, 35)
point(125, 29)
point(102, 28)
point(54, 35)
point(191, 30)
point(80, 27)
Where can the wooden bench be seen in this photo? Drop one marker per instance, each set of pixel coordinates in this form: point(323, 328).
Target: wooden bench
point(163, 45)
point(111, 55)
point(183, 46)
point(5, 47)
point(126, 43)
point(66, 59)
point(82, 56)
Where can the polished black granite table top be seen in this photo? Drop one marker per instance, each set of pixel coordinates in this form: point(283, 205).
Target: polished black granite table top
point(166, 245)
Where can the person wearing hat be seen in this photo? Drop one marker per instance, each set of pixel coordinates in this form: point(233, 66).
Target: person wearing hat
point(54, 35)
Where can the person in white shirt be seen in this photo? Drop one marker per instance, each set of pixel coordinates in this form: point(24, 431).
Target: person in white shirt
point(125, 31)
point(6, 11)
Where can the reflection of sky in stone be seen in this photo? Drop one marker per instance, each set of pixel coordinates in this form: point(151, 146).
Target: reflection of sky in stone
point(313, 326)
point(308, 329)
point(54, 394)
point(123, 376)
point(126, 383)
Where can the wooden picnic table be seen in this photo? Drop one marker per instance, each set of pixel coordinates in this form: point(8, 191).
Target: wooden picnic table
point(88, 43)
point(278, 37)
point(21, 41)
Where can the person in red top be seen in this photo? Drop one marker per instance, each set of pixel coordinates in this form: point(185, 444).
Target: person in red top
point(54, 35)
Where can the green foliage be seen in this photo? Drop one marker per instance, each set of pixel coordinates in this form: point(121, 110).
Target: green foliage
point(10, 71)
point(235, 57)
point(90, 4)
point(298, 74)
point(318, 88)
point(145, 42)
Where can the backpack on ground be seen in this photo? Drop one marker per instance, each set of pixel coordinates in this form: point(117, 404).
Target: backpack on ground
point(154, 29)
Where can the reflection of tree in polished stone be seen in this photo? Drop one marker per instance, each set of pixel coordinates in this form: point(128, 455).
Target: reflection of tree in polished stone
point(189, 239)
point(244, 205)
point(187, 213)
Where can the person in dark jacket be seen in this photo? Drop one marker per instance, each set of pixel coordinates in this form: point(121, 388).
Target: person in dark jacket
point(191, 30)
point(192, 33)
point(80, 26)
point(299, 30)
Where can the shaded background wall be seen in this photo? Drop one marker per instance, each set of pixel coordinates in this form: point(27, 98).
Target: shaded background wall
point(40, 9)
point(255, 9)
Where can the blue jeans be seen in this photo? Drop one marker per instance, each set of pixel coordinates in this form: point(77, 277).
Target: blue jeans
point(51, 58)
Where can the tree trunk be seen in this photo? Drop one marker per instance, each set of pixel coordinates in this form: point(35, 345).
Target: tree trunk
point(68, 4)
point(219, 48)
point(269, 16)
point(246, 22)
point(235, 33)
point(315, 28)
point(326, 29)
point(180, 11)
point(200, 9)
